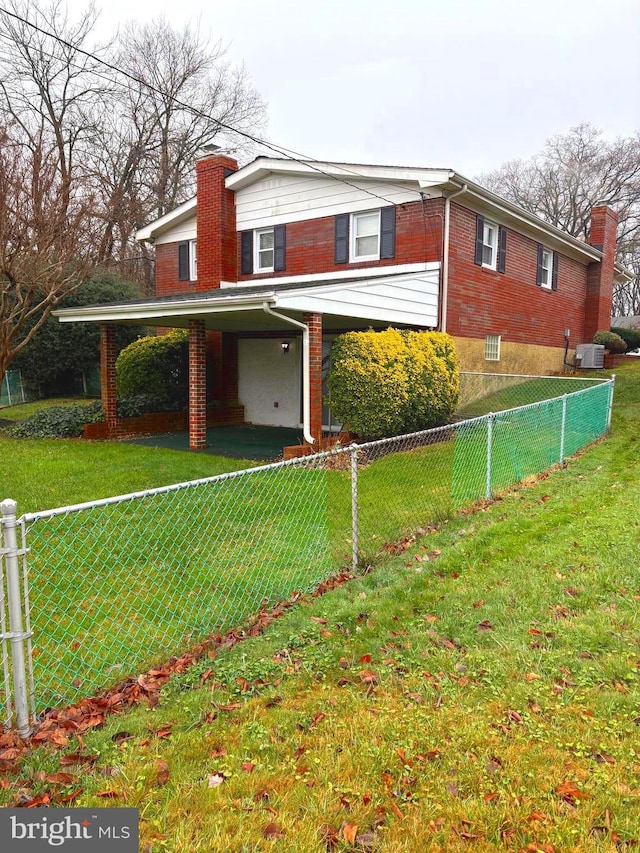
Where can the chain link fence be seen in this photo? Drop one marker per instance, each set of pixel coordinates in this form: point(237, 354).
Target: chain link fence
point(12, 391)
point(120, 584)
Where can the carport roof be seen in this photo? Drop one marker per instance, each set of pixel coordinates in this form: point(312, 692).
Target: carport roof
point(402, 298)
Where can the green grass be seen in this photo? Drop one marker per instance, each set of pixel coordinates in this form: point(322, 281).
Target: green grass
point(479, 691)
point(120, 587)
point(26, 410)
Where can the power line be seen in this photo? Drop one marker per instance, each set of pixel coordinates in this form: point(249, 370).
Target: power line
point(278, 149)
point(281, 150)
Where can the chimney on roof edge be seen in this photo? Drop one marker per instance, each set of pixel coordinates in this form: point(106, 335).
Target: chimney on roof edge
point(216, 222)
point(602, 236)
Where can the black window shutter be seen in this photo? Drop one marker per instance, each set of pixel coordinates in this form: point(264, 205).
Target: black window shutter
point(539, 266)
point(342, 238)
point(279, 248)
point(479, 240)
point(388, 232)
point(246, 253)
point(183, 261)
point(554, 273)
point(502, 249)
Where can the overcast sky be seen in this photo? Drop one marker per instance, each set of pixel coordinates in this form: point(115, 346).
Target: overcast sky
point(465, 84)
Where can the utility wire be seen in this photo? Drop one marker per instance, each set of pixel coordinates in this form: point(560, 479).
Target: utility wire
point(287, 153)
point(278, 149)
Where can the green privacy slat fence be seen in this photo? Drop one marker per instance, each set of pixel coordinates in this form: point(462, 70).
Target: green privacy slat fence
point(120, 584)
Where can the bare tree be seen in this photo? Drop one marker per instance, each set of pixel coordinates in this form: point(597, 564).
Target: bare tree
point(130, 143)
point(187, 95)
point(574, 172)
point(43, 237)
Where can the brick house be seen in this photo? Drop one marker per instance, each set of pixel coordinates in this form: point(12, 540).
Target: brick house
point(270, 261)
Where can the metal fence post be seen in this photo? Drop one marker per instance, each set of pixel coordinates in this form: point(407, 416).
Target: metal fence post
point(611, 389)
point(353, 451)
point(563, 428)
point(490, 420)
point(17, 635)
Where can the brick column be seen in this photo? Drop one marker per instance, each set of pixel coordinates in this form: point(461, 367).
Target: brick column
point(197, 385)
point(108, 392)
point(314, 322)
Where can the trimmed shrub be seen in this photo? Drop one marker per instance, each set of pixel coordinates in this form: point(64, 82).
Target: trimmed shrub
point(387, 383)
point(58, 421)
point(631, 337)
point(157, 367)
point(614, 343)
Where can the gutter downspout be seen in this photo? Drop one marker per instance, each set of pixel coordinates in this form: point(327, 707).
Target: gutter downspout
point(445, 257)
point(306, 419)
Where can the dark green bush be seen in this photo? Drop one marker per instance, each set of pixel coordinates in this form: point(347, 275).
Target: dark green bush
point(131, 407)
point(387, 383)
point(58, 421)
point(614, 343)
point(156, 366)
point(631, 337)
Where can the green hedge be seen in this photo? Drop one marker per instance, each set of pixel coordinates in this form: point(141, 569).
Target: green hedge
point(157, 366)
point(388, 383)
point(631, 337)
point(614, 343)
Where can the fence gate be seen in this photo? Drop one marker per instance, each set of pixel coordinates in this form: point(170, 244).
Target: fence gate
point(15, 633)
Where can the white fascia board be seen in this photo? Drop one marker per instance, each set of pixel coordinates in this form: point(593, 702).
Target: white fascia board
point(544, 232)
point(183, 211)
point(262, 167)
point(622, 274)
point(150, 310)
point(365, 274)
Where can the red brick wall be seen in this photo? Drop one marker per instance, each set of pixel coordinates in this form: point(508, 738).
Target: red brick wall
point(167, 282)
point(310, 244)
point(510, 304)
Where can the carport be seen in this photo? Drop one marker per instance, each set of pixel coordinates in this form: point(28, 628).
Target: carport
point(290, 316)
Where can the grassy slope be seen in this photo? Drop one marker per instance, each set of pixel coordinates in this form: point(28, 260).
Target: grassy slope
point(499, 672)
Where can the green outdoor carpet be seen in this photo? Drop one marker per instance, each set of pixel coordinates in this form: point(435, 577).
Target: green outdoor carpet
point(236, 442)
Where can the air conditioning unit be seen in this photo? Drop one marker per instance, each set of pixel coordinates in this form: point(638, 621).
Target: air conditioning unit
point(590, 355)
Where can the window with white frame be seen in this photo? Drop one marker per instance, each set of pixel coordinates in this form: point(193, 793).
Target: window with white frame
point(193, 260)
point(490, 245)
point(263, 259)
point(546, 268)
point(492, 348)
point(365, 236)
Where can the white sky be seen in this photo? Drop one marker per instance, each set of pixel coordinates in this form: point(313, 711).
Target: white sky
point(465, 84)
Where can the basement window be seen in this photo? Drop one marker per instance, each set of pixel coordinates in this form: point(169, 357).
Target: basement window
point(492, 348)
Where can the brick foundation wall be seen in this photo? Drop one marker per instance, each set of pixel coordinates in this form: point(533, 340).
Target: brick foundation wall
point(156, 422)
point(510, 304)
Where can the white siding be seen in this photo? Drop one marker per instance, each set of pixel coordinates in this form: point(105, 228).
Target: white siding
point(289, 198)
point(410, 300)
point(267, 376)
point(183, 231)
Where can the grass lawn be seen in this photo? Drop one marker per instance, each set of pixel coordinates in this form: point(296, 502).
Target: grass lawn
point(477, 692)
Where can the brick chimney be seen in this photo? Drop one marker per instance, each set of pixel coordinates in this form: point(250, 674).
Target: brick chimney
point(602, 236)
point(217, 239)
